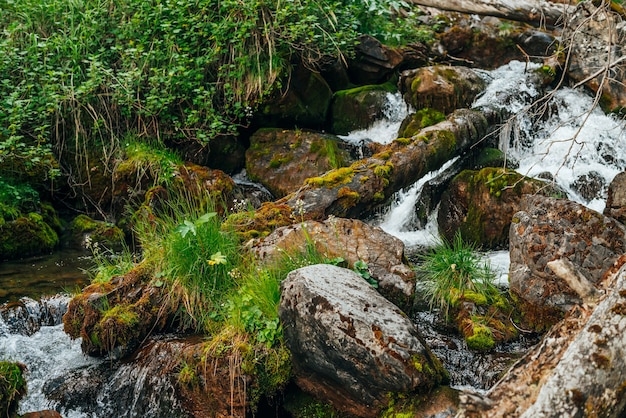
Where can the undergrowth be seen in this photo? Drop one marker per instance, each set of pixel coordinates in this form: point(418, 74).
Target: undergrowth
point(453, 270)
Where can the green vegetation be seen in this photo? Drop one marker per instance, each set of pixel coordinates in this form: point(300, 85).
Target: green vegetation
point(450, 270)
point(12, 387)
point(80, 76)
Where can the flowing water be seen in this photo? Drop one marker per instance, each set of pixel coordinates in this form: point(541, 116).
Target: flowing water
point(567, 140)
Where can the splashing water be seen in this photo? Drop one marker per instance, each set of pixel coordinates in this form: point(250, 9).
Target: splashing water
point(385, 130)
point(568, 137)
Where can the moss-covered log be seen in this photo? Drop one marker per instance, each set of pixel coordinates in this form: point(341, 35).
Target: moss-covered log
point(352, 191)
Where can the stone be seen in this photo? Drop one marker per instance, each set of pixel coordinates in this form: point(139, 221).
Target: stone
point(359, 107)
point(353, 241)
point(480, 204)
point(546, 230)
point(303, 102)
point(577, 369)
point(589, 186)
point(442, 88)
point(373, 62)
point(282, 160)
point(616, 200)
point(350, 346)
point(596, 37)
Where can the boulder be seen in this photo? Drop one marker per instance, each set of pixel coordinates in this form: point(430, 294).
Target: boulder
point(480, 205)
point(353, 241)
point(576, 370)
point(25, 236)
point(282, 160)
point(596, 37)
point(616, 200)
point(87, 233)
point(559, 253)
point(350, 346)
point(373, 62)
point(442, 88)
point(358, 108)
point(303, 102)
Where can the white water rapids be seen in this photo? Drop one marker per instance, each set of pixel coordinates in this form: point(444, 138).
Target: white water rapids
point(569, 141)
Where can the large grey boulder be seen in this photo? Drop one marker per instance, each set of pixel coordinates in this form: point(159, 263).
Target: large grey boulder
point(350, 346)
point(560, 251)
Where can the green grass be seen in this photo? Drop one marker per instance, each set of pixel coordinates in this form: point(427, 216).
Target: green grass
point(450, 270)
point(12, 387)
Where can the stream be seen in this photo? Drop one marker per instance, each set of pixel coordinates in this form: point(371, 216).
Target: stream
point(564, 143)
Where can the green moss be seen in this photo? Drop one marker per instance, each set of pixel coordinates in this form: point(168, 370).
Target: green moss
point(415, 84)
point(478, 298)
point(348, 198)
point(12, 387)
point(389, 87)
point(383, 171)
point(419, 120)
point(403, 140)
point(336, 177)
point(27, 235)
point(481, 339)
point(279, 159)
point(379, 196)
point(121, 314)
point(99, 231)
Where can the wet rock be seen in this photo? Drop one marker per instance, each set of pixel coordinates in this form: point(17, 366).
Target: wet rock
point(547, 230)
point(480, 205)
point(302, 103)
point(616, 201)
point(413, 123)
point(26, 316)
point(350, 346)
point(491, 42)
point(358, 108)
point(443, 88)
point(373, 62)
point(282, 160)
point(592, 47)
point(353, 241)
point(144, 385)
point(589, 186)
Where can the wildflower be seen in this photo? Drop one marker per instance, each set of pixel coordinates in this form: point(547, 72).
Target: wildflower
point(217, 258)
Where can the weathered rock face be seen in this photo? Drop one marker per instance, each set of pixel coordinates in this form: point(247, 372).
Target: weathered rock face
point(351, 346)
point(27, 316)
point(576, 370)
point(144, 385)
point(491, 43)
point(303, 102)
point(559, 252)
point(281, 160)
point(442, 88)
point(591, 33)
point(616, 201)
point(480, 205)
point(358, 108)
point(352, 240)
point(374, 62)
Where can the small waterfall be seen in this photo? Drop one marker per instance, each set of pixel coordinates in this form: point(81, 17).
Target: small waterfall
point(565, 137)
point(399, 219)
point(385, 130)
point(41, 344)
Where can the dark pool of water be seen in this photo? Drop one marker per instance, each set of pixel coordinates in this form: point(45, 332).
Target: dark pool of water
point(62, 271)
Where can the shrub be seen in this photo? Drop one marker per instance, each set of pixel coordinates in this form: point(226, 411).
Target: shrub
point(450, 270)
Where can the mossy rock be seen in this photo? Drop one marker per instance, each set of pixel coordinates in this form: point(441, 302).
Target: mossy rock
point(27, 236)
point(413, 123)
point(480, 204)
point(85, 231)
point(358, 108)
point(12, 387)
